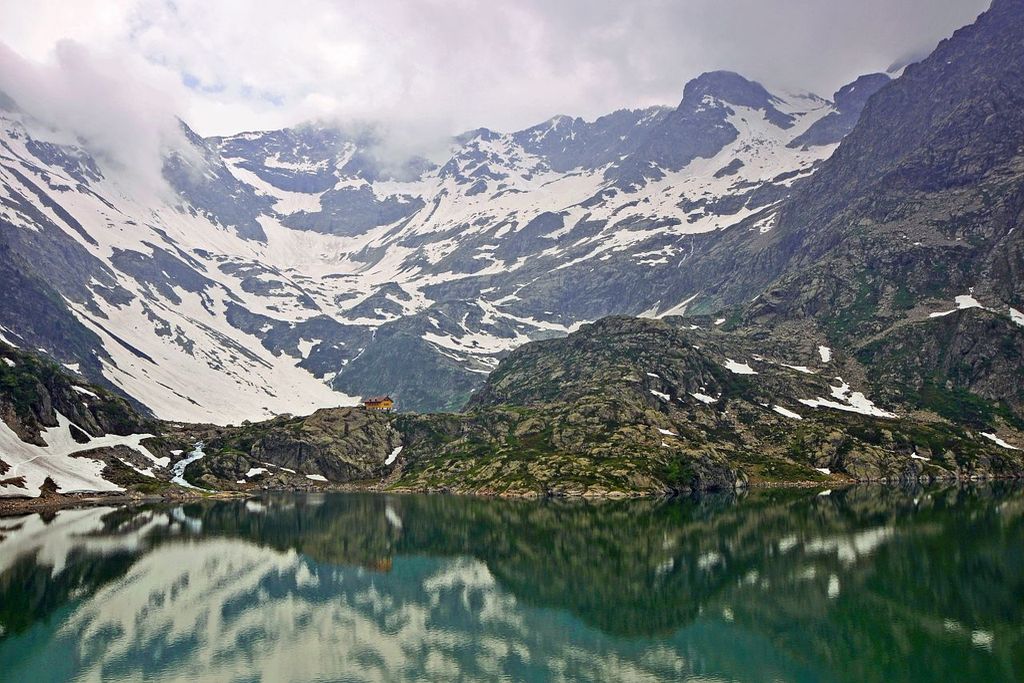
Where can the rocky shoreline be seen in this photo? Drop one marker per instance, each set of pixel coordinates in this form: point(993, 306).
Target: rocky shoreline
point(53, 502)
point(10, 507)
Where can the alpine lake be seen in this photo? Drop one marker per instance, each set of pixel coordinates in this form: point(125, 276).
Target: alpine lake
point(862, 584)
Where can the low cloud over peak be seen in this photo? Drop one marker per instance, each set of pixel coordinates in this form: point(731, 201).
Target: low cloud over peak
point(121, 111)
point(424, 71)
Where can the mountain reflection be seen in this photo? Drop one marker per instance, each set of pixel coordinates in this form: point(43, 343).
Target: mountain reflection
point(862, 584)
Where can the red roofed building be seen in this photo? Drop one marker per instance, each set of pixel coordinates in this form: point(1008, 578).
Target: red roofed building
point(379, 403)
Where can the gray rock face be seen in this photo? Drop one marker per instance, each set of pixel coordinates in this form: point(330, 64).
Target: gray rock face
point(42, 270)
point(568, 143)
point(342, 445)
point(734, 89)
point(399, 361)
point(75, 162)
point(303, 159)
point(333, 163)
point(337, 445)
point(919, 205)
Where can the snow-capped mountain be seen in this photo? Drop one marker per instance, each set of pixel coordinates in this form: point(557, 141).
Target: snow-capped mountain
point(292, 269)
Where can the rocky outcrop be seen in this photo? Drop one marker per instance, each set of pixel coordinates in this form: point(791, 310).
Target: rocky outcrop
point(338, 445)
point(34, 390)
point(631, 406)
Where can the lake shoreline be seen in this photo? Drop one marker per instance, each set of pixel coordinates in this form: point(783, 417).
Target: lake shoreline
point(12, 507)
point(53, 502)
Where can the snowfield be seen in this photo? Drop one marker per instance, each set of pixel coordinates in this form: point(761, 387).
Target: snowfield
point(57, 460)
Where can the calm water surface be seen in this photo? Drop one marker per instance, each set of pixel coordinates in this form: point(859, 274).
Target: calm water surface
point(868, 584)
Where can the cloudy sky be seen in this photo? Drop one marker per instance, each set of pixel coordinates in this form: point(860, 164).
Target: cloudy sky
point(429, 68)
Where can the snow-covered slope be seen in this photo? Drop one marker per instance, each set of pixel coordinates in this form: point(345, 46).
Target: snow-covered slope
point(58, 461)
point(289, 270)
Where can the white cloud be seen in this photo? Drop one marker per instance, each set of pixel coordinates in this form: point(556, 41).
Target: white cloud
point(119, 107)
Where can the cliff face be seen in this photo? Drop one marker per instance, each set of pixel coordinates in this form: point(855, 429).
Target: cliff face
point(920, 204)
point(919, 213)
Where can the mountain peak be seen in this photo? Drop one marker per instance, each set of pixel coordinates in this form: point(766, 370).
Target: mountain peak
point(559, 119)
point(484, 134)
point(727, 86)
point(731, 88)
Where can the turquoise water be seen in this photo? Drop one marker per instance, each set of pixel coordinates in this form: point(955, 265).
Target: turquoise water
point(868, 584)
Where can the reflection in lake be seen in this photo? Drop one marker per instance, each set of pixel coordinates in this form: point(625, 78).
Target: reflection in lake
point(868, 584)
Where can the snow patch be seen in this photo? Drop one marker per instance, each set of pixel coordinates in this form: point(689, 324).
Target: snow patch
point(71, 474)
point(850, 401)
point(148, 472)
point(316, 477)
point(678, 309)
point(963, 302)
point(825, 353)
point(738, 368)
point(999, 442)
point(83, 391)
point(307, 345)
point(785, 412)
point(393, 455)
point(967, 301)
point(799, 368)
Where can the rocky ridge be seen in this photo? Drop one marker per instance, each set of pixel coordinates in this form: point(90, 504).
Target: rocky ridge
point(626, 407)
